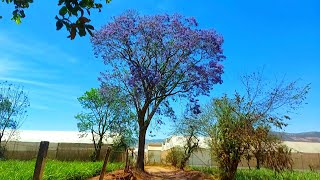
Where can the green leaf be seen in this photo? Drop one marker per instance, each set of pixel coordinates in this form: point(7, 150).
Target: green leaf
point(82, 32)
point(74, 11)
point(59, 24)
point(63, 11)
point(89, 27)
point(82, 4)
point(108, 1)
point(90, 32)
point(22, 15)
point(16, 18)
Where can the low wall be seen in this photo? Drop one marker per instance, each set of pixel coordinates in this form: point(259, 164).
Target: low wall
point(58, 151)
point(202, 157)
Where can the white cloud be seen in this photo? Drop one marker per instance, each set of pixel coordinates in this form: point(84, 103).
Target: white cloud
point(40, 107)
point(25, 81)
point(41, 51)
point(38, 66)
point(7, 66)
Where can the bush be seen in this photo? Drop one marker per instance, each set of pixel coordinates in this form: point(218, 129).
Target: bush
point(174, 156)
point(279, 159)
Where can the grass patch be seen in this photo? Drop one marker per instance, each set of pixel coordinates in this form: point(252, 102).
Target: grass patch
point(246, 174)
point(54, 170)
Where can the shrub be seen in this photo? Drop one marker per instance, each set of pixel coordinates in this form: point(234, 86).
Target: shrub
point(279, 159)
point(174, 156)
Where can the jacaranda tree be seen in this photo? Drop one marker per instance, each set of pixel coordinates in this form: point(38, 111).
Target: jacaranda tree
point(158, 58)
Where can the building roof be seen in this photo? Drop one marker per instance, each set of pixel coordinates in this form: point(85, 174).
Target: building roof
point(54, 137)
point(304, 147)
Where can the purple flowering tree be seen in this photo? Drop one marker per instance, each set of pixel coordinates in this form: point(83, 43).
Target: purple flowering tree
point(158, 58)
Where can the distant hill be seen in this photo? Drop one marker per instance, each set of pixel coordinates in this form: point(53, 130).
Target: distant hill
point(300, 137)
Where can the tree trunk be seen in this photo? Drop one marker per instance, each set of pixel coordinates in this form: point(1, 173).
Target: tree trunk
point(97, 155)
point(258, 157)
point(1, 140)
point(258, 163)
point(142, 142)
point(232, 169)
point(183, 163)
point(184, 160)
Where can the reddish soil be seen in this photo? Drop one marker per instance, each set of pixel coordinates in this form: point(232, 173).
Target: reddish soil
point(156, 173)
point(119, 174)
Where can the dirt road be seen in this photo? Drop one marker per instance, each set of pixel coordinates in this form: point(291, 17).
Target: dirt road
point(157, 173)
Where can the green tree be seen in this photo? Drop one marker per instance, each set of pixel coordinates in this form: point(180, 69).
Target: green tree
point(107, 114)
point(13, 108)
point(229, 137)
point(243, 123)
point(190, 128)
point(73, 14)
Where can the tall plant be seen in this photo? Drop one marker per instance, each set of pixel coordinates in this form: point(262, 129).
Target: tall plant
point(157, 58)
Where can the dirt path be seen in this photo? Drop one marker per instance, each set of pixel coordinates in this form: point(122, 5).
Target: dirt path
point(158, 173)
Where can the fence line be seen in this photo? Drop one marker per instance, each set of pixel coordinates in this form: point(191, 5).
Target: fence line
point(301, 161)
point(59, 151)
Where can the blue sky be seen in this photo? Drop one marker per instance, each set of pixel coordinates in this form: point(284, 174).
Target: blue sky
point(281, 35)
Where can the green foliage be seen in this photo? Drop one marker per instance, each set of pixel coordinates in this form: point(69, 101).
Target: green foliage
point(73, 14)
point(54, 170)
point(228, 137)
point(13, 107)
point(190, 129)
point(243, 124)
point(246, 174)
point(175, 156)
point(106, 114)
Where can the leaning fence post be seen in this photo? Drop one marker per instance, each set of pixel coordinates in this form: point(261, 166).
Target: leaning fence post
point(41, 160)
point(106, 158)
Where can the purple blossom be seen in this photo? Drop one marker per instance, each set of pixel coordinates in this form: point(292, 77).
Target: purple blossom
point(159, 56)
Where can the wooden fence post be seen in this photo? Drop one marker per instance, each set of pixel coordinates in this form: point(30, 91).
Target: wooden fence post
point(104, 166)
point(41, 160)
point(302, 161)
point(319, 159)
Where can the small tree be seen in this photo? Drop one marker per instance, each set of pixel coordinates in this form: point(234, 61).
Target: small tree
point(107, 113)
point(174, 156)
point(154, 58)
point(190, 127)
point(244, 122)
point(229, 137)
point(13, 107)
